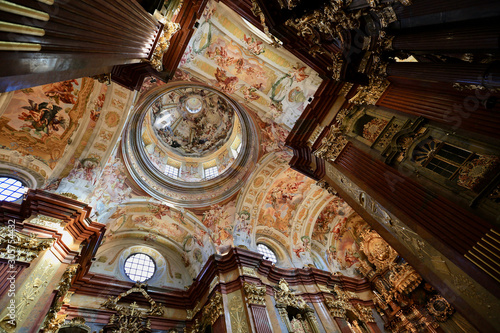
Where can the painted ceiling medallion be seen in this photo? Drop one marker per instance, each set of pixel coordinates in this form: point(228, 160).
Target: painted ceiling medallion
point(180, 130)
point(192, 121)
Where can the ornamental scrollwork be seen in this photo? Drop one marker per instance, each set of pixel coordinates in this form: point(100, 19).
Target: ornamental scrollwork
point(53, 320)
point(378, 252)
point(169, 29)
point(331, 145)
point(77, 322)
point(131, 318)
point(342, 302)
point(213, 309)
point(257, 12)
point(21, 247)
point(440, 308)
point(255, 294)
point(404, 278)
point(284, 297)
point(324, 185)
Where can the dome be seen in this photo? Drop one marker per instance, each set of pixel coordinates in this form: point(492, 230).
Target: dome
point(189, 145)
point(192, 122)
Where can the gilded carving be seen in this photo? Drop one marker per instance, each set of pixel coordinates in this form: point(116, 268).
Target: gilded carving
point(342, 302)
point(331, 145)
point(285, 297)
point(462, 87)
point(21, 247)
point(238, 317)
point(386, 136)
point(169, 29)
point(77, 322)
point(29, 294)
point(255, 294)
point(53, 320)
point(324, 185)
point(192, 313)
point(377, 250)
point(439, 308)
point(131, 318)
point(404, 278)
point(371, 93)
point(257, 12)
point(213, 309)
point(249, 271)
point(475, 171)
point(47, 221)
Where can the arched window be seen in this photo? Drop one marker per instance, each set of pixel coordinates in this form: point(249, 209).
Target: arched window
point(11, 189)
point(267, 253)
point(139, 267)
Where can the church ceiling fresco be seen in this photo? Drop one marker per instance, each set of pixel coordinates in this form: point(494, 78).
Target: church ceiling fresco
point(192, 121)
point(277, 202)
point(269, 80)
point(282, 200)
point(42, 121)
point(62, 129)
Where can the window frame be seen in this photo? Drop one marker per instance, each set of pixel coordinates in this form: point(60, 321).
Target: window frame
point(127, 274)
point(22, 187)
point(210, 176)
point(265, 255)
point(169, 168)
point(435, 155)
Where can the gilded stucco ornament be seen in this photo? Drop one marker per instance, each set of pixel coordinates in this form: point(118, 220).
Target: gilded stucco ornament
point(21, 247)
point(53, 320)
point(132, 318)
point(78, 323)
point(286, 298)
point(331, 145)
point(440, 308)
point(342, 302)
point(255, 294)
point(404, 278)
point(214, 309)
point(462, 87)
point(377, 250)
point(257, 12)
point(324, 185)
point(169, 29)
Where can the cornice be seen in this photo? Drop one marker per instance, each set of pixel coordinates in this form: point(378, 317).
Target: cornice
point(72, 214)
point(219, 266)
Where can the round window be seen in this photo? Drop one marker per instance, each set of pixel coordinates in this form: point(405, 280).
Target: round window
point(11, 189)
point(139, 267)
point(267, 253)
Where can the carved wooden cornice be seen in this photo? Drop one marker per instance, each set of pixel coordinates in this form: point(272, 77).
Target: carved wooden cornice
point(236, 260)
point(49, 215)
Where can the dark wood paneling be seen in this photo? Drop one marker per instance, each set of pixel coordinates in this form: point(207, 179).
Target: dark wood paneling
point(6, 271)
point(82, 38)
point(260, 319)
point(450, 228)
point(457, 110)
